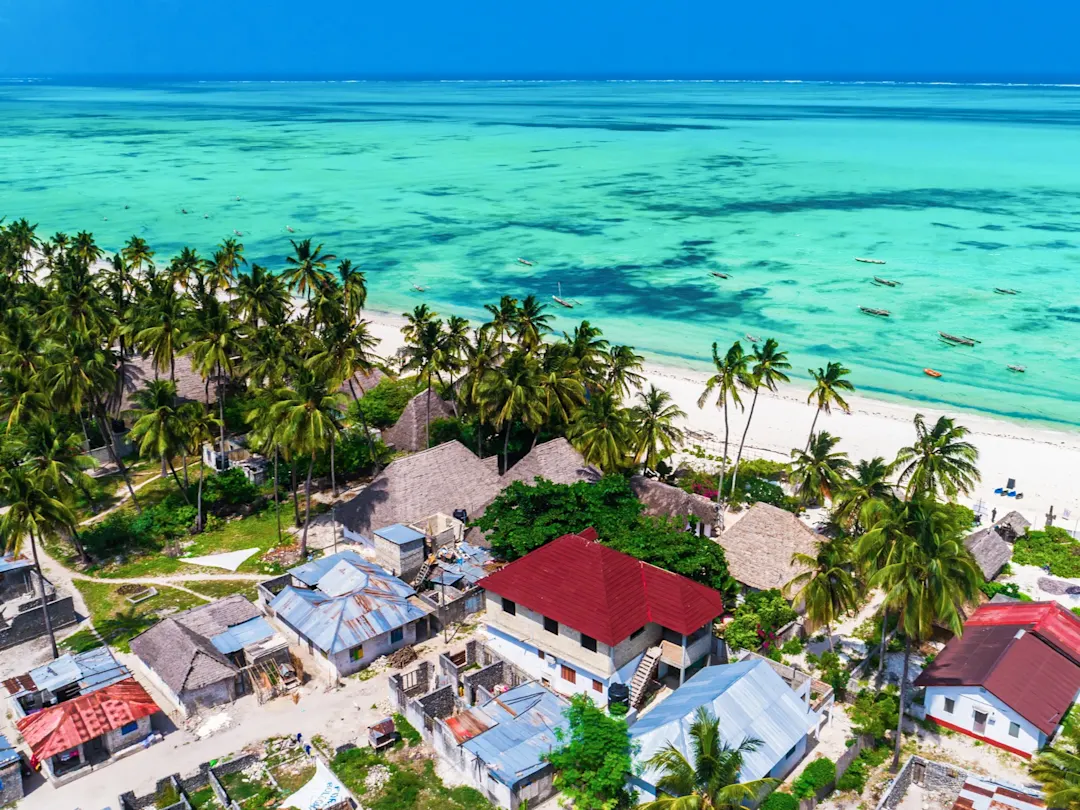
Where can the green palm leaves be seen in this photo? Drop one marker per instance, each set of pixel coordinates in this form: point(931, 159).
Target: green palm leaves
point(940, 461)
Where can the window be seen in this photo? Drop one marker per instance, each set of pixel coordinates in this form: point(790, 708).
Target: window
point(509, 607)
point(950, 705)
point(396, 635)
point(545, 682)
point(551, 625)
point(129, 727)
point(791, 753)
point(597, 686)
point(568, 674)
point(588, 642)
point(541, 654)
point(637, 632)
point(356, 653)
point(1014, 729)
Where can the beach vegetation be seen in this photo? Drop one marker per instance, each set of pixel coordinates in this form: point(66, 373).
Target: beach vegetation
point(827, 587)
point(1052, 548)
point(756, 622)
point(819, 471)
point(940, 462)
point(829, 385)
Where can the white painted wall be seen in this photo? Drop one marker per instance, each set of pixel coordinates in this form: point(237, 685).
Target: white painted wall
point(549, 668)
point(968, 700)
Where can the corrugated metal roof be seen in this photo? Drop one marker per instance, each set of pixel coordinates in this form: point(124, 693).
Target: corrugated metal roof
point(748, 698)
point(92, 670)
point(399, 534)
point(525, 718)
point(602, 592)
point(236, 638)
point(9, 562)
point(7, 751)
point(339, 621)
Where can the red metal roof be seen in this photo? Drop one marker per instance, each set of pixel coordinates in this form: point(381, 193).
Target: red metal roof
point(61, 727)
point(601, 592)
point(1025, 655)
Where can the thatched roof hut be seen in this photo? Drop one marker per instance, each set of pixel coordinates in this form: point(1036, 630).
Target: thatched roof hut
point(441, 479)
point(665, 500)
point(410, 430)
point(557, 461)
point(990, 551)
point(190, 386)
point(759, 547)
point(1011, 526)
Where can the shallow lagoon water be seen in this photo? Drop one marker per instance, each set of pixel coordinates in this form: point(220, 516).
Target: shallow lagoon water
point(628, 194)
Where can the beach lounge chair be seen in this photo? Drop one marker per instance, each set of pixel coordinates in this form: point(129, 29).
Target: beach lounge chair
point(999, 491)
point(1011, 493)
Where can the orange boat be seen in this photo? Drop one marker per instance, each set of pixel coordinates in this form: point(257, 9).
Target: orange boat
point(931, 373)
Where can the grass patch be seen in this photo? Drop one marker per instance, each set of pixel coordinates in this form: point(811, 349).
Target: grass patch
point(203, 799)
point(80, 641)
point(412, 785)
point(118, 621)
point(248, 792)
point(292, 777)
point(1052, 547)
point(224, 587)
point(406, 730)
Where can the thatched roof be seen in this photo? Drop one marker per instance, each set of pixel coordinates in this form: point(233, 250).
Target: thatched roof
point(410, 431)
point(760, 545)
point(441, 479)
point(1011, 526)
point(362, 383)
point(664, 500)
point(189, 385)
point(557, 461)
point(990, 551)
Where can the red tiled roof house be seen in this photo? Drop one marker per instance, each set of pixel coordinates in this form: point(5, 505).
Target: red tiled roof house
point(1010, 678)
point(579, 616)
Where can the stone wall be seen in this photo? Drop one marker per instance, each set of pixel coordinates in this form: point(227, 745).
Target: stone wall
point(185, 785)
point(11, 786)
point(30, 624)
point(935, 776)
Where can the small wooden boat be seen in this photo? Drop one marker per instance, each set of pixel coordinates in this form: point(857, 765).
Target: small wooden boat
point(525, 262)
point(888, 282)
point(1017, 369)
point(238, 233)
point(418, 288)
point(865, 260)
point(1004, 291)
point(289, 229)
point(718, 274)
point(560, 300)
point(753, 338)
point(929, 372)
point(957, 339)
point(881, 313)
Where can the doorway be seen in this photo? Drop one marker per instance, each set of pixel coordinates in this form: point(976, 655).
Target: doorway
point(980, 722)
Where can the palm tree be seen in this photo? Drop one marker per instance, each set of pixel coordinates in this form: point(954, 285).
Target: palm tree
point(561, 391)
point(260, 297)
point(415, 321)
point(307, 419)
point(768, 370)
point(421, 352)
point(158, 428)
point(826, 587)
point(137, 253)
point(928, 581)
point(213, 347)
point(710, 781)
point(828, 383)
point(513, 394)
point(654, 426)
point(588, 349)
point(504, 318)
point(531, 323)
point(1058, 769)
point(224, 264)
point(197, 427)
point(353, 289)
point(265, 434)
point(452, 351)
point(307, 267)
point(732, 373)
point(869, 481)
point(603, 432)
point(623, 365)
point(33, 512)
point(481, 360)
point(166, 316)
point(939, 460)
point(819, 470)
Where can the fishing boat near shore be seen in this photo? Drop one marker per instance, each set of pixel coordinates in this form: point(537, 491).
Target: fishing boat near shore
point(418, 288)
point(560, 300)
point(1005, 291)
point(929, 372)
point(1018, 369)
point(525, 262)
point(718, 274)
point(881, 313)
point(887, 282)
point(753, 338)
point(865, 260)
point(957, 339)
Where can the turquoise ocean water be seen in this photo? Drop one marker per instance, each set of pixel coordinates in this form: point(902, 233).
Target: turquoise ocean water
point(628, 194)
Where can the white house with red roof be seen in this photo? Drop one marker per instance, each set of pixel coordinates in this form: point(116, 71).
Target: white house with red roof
point(1010, 678)
point(579, 616)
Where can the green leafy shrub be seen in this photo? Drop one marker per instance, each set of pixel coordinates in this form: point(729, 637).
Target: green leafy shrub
point(1010, 589)
point(832, 670)
point(1052, 547)
point(874, 713)
point(164, 521)
point(780, 801)
point(818, 774)
point(792, 646)
point(229, 488)
point(408, 733)
point(757, 620)
point(854, 778)
point(764, 468)
point(593, 759)
point(383, 404)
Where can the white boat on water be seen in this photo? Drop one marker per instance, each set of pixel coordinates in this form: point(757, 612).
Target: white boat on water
point(560, 300)
point(869, 261)
point(525, 262)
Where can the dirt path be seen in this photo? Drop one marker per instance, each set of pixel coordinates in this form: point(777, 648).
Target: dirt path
point(124, 498)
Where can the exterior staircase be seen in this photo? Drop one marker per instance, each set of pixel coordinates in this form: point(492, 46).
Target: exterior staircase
point(422, 574)
point(643, 675)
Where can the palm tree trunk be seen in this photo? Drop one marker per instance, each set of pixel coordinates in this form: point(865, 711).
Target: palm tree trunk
point(198, 510)
point(333, 474)
point(363, 424)
point(738, 457)
point(277, 503)
point(506, 448)
point(120, 380)
point(307, 508)
point(295, 498)
point(86, 436)
point(80, 549)
point(881, 652)
point(813, 425)
point(110, 443)
point(828, 631)
point(221, 416)
point(184, 457)
point(723, 474)
point(176, 478)
point(427, 431)
point(903, 691)
point(41, 592)
point(479, 439)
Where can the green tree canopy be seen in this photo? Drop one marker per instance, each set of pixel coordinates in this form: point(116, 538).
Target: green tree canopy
point(593, 761)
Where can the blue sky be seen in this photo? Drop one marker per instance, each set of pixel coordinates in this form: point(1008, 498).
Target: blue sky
point(917, 39)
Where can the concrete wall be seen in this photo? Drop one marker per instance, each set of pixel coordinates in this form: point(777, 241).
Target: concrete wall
point(195, 700)
point(970, 699)
point(403, 560)
point(30, 624)
point(11, 786)
point(549, 669)
point(342, 664)
point(115, 741)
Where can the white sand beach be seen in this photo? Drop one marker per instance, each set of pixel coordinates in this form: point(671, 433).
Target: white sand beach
point(1043, 462)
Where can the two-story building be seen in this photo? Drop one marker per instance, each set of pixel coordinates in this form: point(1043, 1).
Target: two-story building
point(579, 616)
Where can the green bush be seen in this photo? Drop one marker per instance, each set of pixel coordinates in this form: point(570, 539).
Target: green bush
point(164, 521)
point(408, 733)
point(858, 771)
point(764, 468)
point(792, 646)
point(780, 801)
point(229, 488)
point(1010, 589)
point(818, 774)
point(832, 671)
point(1052, 547)
point(874, 713)
point(383, 404)
point(757, 620)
